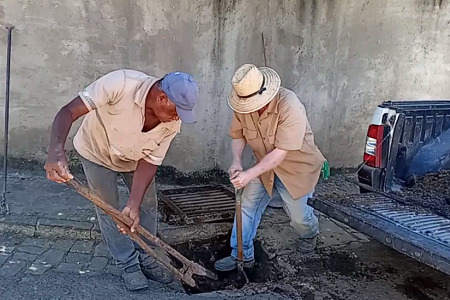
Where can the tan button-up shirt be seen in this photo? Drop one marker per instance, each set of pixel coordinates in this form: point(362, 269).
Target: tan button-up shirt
point(111, 133)
point(283, 125)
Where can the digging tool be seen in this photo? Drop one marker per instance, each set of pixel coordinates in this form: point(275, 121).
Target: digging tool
point(184, 273)
point(242, 276)
point(3, 203)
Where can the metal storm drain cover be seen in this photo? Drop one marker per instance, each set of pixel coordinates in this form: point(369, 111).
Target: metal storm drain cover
point(199, 204)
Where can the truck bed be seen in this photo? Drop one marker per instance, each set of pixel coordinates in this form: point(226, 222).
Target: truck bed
point(410, 230)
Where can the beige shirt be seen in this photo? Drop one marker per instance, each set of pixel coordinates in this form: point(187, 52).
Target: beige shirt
point(283, 125)
point(111, 133)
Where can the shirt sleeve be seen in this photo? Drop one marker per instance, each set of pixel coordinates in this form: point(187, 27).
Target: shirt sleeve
point(291, 128)
point(103, 91)
point(236, 131)
point(156, 155)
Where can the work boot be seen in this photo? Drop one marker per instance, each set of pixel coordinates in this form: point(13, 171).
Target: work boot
point(229, 263)
point(134, 279)
point(307, 245)
point(153, 270)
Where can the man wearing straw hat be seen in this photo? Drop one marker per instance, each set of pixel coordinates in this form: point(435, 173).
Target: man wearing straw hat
point(273, 122)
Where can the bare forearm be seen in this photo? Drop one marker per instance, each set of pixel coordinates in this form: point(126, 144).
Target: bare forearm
point(269, 162)
point(63, 122)
point(60, 130)
point(143, 176)
point(237, 147)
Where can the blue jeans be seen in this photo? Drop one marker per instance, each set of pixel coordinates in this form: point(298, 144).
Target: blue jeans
point(254, 202)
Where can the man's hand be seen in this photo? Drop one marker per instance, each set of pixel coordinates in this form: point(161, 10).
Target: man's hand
point(234, 168)
point(134, 214)
point(57, 168)
point(241, 179)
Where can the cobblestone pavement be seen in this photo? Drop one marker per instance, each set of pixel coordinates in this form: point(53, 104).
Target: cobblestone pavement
point(25, 255)
point(39, 268)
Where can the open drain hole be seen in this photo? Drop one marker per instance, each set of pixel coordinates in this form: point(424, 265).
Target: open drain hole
point(206, 252)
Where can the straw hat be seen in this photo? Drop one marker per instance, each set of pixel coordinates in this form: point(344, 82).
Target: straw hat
point(253, 88)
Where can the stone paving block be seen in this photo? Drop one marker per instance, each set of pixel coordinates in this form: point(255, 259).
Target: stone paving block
point(63, 245)
point(43, 243)
point(114, 270)
point(32, 249)
point(72, 268)
point(52, 257)
point(98, 263)
point(4, 249)
point(64, 223)
point(12, 268)
point(38, 268)
point(10, 240)
point(3, 258)
point(360, 236)
point(100, 250)
point(78, 258)
point(24, 256)
point(18, 219)
point(353, 245)
point(333, 235)
point(82, 247)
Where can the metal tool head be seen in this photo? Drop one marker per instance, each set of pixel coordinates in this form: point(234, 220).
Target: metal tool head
point(238, 193)
point(4, 207)
point(242, 278)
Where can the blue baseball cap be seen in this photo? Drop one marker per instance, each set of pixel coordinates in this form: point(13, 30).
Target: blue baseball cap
point(182, 90)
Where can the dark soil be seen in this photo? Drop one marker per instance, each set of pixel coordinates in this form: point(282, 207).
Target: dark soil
point(170, 175)
point(328, 263)
point(431, 191)
point(206, 253)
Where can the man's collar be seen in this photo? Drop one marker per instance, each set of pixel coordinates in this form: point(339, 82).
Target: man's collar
point(143, 90)
point(273, 105)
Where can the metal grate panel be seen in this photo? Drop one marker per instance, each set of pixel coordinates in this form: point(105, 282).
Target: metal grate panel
point(201, 204)
point(410, 230)
point(410, 217)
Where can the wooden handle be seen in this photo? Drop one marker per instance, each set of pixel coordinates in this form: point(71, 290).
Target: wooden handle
point(119, 218)
point(239, 225)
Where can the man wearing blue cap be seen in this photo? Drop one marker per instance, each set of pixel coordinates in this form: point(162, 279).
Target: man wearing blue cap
point(130, 120)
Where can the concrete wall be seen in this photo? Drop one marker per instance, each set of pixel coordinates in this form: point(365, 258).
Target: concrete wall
point(341, 57)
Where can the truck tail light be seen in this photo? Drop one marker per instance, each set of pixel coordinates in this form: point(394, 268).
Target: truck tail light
point(376, 146)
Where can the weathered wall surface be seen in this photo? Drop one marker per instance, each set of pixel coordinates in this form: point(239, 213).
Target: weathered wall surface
point(341, 57)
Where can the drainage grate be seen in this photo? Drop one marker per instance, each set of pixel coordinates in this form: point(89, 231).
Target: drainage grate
point(199, 204)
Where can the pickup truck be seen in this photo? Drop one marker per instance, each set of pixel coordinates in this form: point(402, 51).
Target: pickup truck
point(405, 140)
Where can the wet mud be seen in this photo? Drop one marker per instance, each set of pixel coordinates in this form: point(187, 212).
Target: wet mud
point(324, 274)
point(207, 252)
point(370, 271)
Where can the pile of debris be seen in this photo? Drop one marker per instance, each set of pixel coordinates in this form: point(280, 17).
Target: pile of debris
point(431, 191)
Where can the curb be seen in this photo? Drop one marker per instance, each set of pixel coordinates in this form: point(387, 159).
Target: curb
point(42, 227)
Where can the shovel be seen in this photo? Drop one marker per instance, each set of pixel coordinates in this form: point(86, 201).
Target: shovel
point(242, 277)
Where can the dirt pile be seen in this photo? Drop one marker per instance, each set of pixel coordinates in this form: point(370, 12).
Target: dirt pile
point(431, 191)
